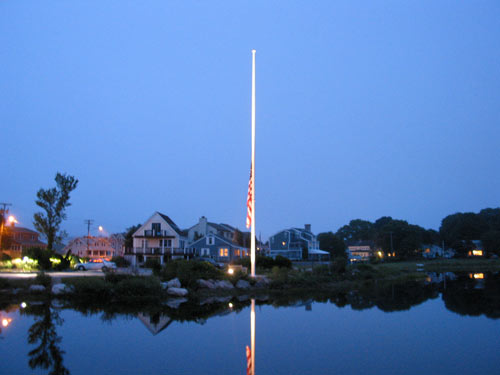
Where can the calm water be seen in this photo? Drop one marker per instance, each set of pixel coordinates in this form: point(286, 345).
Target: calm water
point(416, 329)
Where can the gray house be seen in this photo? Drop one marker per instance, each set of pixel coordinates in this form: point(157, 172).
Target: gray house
point(295, 243)
point(217, 247)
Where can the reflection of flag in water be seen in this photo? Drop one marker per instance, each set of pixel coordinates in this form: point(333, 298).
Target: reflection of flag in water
point(249, 200)
point(249, 361)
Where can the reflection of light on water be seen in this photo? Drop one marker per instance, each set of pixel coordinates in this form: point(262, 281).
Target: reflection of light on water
point(476, 275)
point(6, 321)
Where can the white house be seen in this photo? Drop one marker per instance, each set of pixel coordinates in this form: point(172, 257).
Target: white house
point(159, 238)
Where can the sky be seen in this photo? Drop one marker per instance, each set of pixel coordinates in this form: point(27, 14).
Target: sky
point(364, 109)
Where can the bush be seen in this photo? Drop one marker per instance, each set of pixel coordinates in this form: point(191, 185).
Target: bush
point(281, 261)
point(6, 257)
point(338, 265)
point(120, 261)
point(321, 270)
point(114, 278)
point(42, 256)
point(189, 271)
point(154, 265)
point(279, 276)
point(90, 286)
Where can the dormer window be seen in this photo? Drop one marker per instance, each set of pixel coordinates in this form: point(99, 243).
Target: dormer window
point(210, 240)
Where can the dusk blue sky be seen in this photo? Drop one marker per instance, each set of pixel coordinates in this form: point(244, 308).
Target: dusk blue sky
point(364, 109)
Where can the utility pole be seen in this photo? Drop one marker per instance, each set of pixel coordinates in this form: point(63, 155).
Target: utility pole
point(89, 222)
point(2, 219)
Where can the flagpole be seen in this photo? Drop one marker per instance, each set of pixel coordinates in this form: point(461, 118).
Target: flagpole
point(252, 250)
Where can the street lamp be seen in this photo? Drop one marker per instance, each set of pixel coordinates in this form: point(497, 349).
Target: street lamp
point(12, 220)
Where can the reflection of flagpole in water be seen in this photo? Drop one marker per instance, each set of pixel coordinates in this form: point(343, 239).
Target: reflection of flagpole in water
point(251, 352)
point(252, 332)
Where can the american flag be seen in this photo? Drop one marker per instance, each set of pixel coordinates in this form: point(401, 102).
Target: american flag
point(249, 361)
point(249, 200)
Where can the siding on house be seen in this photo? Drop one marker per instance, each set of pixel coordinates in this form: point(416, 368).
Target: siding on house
point(218, 248)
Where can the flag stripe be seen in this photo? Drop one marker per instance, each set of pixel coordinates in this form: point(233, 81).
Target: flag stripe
point(249, 361)
point(249, 200)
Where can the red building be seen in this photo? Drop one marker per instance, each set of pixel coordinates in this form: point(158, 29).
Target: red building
point(15, 239)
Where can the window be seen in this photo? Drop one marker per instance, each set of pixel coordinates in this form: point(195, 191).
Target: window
point(169, 243)
point(210, 240)
point(156, 227)
point(223, 252)
point(237, 252)
point(205, 252)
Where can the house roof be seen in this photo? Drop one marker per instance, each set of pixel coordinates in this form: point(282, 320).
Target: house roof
point(171, 223)
point(20, 229)
point(222, 239)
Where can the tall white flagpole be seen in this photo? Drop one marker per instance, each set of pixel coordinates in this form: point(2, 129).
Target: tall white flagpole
point(252, 250)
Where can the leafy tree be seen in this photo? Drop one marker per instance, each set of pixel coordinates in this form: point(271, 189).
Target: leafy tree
point(491, 242)
point(54, 201)
point(357, 230)
point(129, 232)
point(332, 243)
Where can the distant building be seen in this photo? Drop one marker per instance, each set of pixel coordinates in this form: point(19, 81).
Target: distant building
point(159, 239)
point(204, 227)
point(360, 250)
point(435, 251)
point(294, 242)
point(477, 249)
point(95, 247)
point(17, 239)
point(218, 248)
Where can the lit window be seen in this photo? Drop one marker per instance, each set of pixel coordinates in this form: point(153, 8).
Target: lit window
point(223, 252)
point(477, 253)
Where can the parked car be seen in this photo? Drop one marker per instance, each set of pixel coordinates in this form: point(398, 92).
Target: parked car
point(96, 264)
point(211, 261)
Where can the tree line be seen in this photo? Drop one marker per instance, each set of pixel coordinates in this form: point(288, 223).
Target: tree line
point(457, 232)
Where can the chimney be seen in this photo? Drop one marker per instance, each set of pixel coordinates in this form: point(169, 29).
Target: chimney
point(307, 227)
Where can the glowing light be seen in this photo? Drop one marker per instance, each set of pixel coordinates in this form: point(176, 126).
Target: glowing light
point(230, 305)
point(101, 228)
point(55, 260)
point(477, 253)
point(230, 271)
point(379, 253)
point(12, 219)
point(477, 275)
point(6, 322)
point(23, 305)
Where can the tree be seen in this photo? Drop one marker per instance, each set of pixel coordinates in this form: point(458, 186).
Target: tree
point(491, 242)
point(332, 243)
point(357, 230)
point(129, 232)
point(54, 201)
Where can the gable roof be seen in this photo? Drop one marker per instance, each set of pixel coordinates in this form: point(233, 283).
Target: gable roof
point(222, 239)
point(170, 222)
